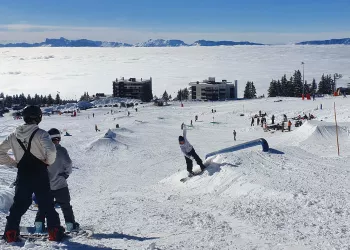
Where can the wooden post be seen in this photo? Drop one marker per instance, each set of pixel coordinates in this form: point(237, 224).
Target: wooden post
point(336, 127)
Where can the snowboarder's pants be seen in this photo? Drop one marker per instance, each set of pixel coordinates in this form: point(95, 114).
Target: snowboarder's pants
point(189, 162)
point(40, 186)
point(62, 198)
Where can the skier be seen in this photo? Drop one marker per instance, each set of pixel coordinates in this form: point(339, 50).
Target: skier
point(258, 121)
point(262, 121)
point(191, 123)
point(59, 172)
point(96, 128)
point(234, 134)
point(93, 115)
point(289, 125)
point(273, 119)
point(189, 152)
point(33, 151)
point(252, 123)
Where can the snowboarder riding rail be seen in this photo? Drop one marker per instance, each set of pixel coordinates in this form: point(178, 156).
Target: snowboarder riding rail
point(189, 152)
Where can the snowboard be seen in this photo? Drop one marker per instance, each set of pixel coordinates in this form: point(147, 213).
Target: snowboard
point(28, 233)
point(35, 207)
point(195, 174)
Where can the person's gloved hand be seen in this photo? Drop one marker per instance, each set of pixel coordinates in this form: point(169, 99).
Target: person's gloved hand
point(65, 175)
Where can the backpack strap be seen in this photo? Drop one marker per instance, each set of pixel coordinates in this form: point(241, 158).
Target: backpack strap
point(29, 143)
point(31, 138)
point(21, 144)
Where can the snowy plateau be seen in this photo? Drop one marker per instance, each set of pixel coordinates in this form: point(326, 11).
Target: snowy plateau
point(127, 187)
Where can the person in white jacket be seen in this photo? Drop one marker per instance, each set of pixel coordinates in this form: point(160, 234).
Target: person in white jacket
point(59, 172)
point(189, 152)
point(33, 151)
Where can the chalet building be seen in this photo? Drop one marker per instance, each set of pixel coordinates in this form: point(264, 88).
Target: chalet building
point(210, 90)
point(133, 88)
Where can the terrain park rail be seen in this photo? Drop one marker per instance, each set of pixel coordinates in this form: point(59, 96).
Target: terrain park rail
point(261, 141)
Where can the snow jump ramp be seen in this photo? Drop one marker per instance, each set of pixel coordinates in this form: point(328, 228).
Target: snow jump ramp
point(261, 141)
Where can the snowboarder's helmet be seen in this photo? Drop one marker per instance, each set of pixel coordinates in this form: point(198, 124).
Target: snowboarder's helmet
point(181, 138)
point(32, 114)
point(55, 134)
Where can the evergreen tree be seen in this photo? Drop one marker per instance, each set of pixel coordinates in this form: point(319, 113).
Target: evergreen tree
point(170, 97)
point(44, 100)
point(279, 88)
point(247, 91)
point(179, 95)
point(8, 101)
point(50, 100)
point(253, 90)
point(307, 89)
point(272, 91)
point(22, 100)
point(313, 86)
point(250, 91)
point(325, 85)
point(185, 93)
point(297, 84)
point(165, 96)
point(58, 99)
point(290, 87)
point(30, 101)
point(284, 86)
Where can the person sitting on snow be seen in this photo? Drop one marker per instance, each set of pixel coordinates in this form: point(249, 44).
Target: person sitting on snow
point(59, 171)
point(189, 152)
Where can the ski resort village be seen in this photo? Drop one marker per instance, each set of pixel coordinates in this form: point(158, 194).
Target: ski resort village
point(175, 148)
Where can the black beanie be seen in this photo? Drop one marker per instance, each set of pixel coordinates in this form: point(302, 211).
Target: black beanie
point(181, 138)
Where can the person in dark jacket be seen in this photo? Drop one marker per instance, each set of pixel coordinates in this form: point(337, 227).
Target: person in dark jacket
point(189, 152)
point(34, 152)
point(59, 172)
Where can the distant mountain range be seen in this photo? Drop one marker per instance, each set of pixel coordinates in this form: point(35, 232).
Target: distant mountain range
point(345, 41)
point(63, 42)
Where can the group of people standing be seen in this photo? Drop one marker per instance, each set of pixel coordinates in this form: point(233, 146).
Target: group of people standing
point(43, 168)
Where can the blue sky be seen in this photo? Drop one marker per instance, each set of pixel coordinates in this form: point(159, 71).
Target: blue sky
point(268, 21)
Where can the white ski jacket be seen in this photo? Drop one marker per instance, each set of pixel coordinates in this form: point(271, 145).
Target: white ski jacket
point(42, 147)
point(186, 147)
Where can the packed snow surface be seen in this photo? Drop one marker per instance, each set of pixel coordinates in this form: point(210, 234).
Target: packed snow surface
point(73, 71)
point(126, 181)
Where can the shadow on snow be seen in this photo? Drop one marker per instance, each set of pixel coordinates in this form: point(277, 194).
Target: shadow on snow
point(122, 236)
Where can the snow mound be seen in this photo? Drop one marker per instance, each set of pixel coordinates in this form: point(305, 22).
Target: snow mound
point(105, 145)
point(110, 134)
point(221, 178)
point(6, 198)
point(109, 142)
point(320, 137)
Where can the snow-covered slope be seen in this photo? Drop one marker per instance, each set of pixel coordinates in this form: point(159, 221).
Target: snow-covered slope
point(126, 181)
